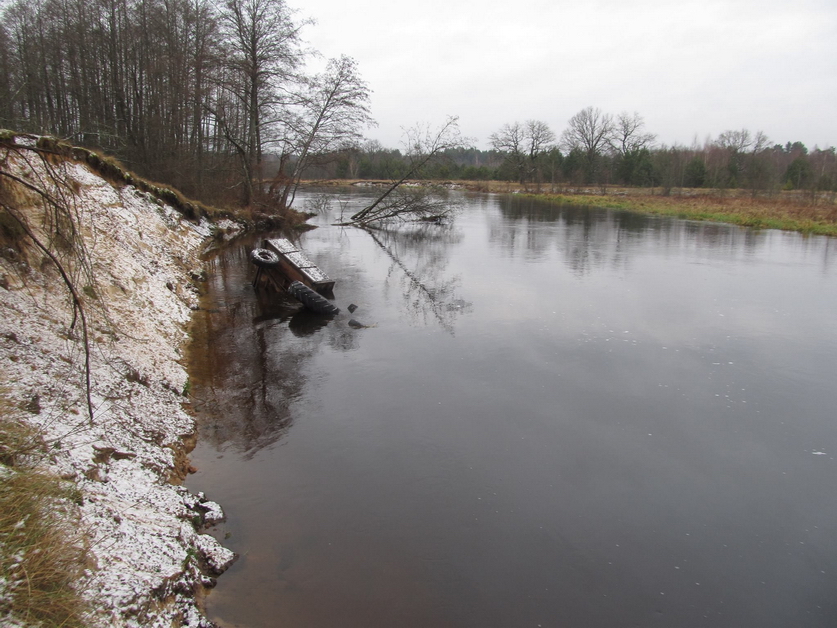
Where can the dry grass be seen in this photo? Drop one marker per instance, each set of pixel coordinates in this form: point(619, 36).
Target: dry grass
point(791, 211)
point(41, 555)
point(777, 212)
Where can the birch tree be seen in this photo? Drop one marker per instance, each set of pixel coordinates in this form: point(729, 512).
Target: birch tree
point(334, 111)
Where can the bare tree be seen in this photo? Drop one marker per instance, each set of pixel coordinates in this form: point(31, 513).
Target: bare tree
point(523, 144)
point(423, 145)
point(203, 62)
point(539, 140)
point(759, 172)
point(511, 141)
point(589, 131)
point(735, 141)
point(761, 142)
point(629, 134)
point(188, 92)
point(539, 137)
point(742, 152)
point(264, 54)
point(7, 75)
point(335, 109)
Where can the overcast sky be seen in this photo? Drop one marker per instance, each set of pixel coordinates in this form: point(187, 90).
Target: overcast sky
point(691, 68)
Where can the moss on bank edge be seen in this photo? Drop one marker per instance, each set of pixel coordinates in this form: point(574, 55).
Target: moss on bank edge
point(746, 212)
point(110, 169)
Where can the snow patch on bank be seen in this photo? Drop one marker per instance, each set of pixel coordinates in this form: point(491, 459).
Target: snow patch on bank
point(148, 558)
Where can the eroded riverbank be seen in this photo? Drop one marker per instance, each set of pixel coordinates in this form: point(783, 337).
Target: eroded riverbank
point(103, 384)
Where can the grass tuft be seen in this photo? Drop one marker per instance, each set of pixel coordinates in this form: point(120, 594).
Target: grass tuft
point(41, 554)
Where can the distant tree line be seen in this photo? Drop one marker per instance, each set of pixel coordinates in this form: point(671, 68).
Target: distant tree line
point(600, 149)
point(194, 93)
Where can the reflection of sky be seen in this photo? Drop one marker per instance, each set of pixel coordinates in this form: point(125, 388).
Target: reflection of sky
point(625, 400)
point(563, 269)
point(669, 276)
point(567, 278)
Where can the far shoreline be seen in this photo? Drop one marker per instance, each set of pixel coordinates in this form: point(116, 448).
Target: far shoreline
point(785, 210)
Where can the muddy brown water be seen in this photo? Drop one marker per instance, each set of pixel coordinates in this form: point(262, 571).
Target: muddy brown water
point(551, 417)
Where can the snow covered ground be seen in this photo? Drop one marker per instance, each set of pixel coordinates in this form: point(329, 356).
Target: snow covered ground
point(147, 555)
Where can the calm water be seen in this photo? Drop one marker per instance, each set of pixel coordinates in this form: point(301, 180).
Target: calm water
point(556, 417)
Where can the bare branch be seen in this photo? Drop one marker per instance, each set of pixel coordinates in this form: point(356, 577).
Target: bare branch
point(589, 131)
point(628, 134)
point(423, 145)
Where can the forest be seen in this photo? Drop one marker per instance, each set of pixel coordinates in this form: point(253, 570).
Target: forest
point(585, 155)
point(213, 97)
point(192, 93)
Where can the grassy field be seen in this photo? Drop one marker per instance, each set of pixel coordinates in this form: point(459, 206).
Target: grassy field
point(762, 213)
point(791, 211)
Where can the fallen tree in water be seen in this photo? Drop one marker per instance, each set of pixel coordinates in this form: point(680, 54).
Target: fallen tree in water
point(400, 201)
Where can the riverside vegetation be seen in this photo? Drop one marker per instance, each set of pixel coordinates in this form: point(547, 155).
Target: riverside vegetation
point(788, 211)
point(779, 212)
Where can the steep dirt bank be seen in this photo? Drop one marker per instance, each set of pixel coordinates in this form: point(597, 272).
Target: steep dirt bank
point(133, 262)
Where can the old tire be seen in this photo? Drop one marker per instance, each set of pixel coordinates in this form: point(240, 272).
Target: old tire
point(311, 299)
point(264, 258)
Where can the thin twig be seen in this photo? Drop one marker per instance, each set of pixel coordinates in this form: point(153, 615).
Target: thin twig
point(78, 306)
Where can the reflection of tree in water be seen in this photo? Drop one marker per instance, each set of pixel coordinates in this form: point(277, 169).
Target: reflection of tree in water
point(249, 357)
point(418, 257)
point(250, 354)
point(577, 231)
point(240, 386)
point(591, 238)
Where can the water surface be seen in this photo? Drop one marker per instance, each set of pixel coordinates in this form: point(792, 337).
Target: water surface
point(555, 417)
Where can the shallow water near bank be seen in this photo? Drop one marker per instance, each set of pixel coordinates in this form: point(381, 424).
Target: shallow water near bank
point(555, 416)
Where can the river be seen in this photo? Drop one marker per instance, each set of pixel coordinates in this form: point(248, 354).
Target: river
point(552, 416)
